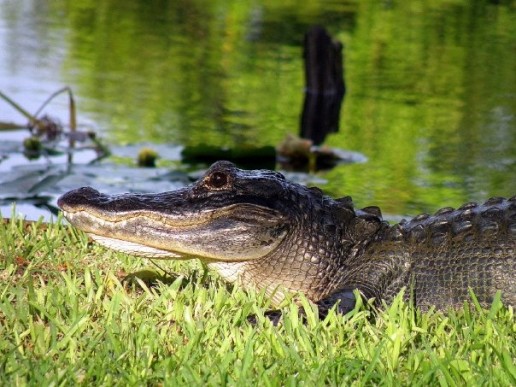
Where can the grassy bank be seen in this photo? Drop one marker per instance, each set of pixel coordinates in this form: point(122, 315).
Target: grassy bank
point(73, 312)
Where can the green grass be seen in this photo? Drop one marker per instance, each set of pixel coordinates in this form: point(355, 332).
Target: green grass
point(69, 314)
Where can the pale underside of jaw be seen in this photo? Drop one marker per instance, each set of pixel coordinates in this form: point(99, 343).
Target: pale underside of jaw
point(134, 248)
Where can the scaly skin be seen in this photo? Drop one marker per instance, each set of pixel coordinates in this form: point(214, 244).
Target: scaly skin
point(439, 257)
point(264, 232)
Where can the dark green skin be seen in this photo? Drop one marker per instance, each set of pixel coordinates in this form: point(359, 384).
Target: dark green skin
point(329, 248)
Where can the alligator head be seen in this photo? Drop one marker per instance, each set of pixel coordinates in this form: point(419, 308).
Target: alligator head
point(252, 226)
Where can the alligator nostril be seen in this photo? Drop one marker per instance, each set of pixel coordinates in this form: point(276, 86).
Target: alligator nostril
point(77, 196)
point(60, 202)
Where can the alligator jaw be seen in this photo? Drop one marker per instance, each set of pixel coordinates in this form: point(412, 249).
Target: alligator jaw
point(218, 234)
point(134, 248)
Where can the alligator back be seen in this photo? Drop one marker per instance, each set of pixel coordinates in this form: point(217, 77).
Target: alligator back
point(452, 251)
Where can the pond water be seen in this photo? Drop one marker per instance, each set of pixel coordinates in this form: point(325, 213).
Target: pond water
point(431, 96)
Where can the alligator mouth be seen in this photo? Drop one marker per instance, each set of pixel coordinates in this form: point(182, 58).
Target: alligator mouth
point(147, 225)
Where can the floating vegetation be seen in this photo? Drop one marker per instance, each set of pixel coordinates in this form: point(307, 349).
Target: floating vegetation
point(292, 154)
point(47, 133)
point(300, 154)
point(33, 183)
point(147, 157)
point(248, 157)
point(32, 147)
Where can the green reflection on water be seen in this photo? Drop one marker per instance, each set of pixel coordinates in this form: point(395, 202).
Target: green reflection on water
point(200, 72)
point(432, 86)
point(433, 104)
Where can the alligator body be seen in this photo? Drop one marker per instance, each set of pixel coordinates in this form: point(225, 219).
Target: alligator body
point(260, 230)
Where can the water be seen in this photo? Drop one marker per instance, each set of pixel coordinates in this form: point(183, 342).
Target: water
point(431, 92)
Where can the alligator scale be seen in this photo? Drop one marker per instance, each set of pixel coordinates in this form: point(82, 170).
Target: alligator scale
point(260, 230)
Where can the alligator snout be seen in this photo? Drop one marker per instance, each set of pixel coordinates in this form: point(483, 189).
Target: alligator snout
point(77, 197)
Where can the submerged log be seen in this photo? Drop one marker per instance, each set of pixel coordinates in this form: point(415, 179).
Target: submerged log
point(325, 88)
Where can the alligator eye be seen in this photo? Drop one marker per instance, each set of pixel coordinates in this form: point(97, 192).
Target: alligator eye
point(218, 180)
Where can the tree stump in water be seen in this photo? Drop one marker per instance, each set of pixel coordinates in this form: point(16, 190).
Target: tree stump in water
point(325, 88)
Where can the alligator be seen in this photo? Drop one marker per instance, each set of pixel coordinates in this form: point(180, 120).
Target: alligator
point(262, 231)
